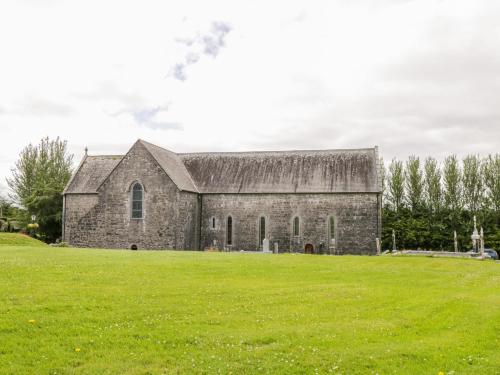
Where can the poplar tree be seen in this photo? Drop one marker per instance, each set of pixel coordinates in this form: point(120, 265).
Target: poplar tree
point(491, 175)
point(432, 185)
point(472, 183)
point(452, 184)
point(414, 183)
point(395, 184)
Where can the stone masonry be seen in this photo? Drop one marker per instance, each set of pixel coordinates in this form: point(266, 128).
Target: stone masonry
point(188, 198)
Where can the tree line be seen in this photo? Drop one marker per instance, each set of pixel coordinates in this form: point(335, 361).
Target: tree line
point(425, 201)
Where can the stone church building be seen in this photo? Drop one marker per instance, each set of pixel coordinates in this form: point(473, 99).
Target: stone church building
point(324, 202)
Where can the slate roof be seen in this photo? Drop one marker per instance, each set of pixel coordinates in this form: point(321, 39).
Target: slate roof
point(172, 165)
point(325, 171)
point(91, 173)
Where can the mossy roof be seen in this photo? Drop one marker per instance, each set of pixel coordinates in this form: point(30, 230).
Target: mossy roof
point(317, 171)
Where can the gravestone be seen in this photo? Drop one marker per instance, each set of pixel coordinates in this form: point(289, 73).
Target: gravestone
point(394, 241)
point(265, 245)
point(332, 246)
point(276, 248)
point(481, 239)
point(475, 238)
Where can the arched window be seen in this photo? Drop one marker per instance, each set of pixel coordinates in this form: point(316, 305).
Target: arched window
point(262, 229)
point(137, 199)
point(212, 223)
point(229, 231)
point(331, 228)
point(296, 226)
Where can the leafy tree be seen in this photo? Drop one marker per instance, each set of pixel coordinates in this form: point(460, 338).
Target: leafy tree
point(395, 184)
point(432, 185)
point(472, 183)
point(452, 183)
point(37, 181)
point(11, 216)
point(4, 211)
point(491, 175)
point(4, 206)
point(414, 183)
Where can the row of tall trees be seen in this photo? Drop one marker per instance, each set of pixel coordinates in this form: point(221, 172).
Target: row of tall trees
point(426, 201)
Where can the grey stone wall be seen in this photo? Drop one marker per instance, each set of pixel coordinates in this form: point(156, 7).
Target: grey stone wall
point(170, 216)
point(356, 218)
point(75, 207)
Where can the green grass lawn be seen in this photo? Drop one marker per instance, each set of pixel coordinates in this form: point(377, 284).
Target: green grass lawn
point(16, 239)
point(83, 311)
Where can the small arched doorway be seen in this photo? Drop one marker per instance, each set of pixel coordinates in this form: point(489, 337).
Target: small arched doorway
point(309, 249)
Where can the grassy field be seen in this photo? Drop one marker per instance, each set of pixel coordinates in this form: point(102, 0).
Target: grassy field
point(81, 311)
point(16, 239)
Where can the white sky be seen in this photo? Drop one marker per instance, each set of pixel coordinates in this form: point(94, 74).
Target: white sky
point(414, 77)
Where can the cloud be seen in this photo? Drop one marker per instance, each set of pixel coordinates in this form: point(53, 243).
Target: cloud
point(162, 125)
point(300, 17)
point(186, 41)
point(214, 40)
point(109, 90)
point(3, 190)
point(414, 77)
point(179, 71)
point(147, 114)
point(147, 117)
point(150, 117)
point(208, 44)
point(192, 58)
point(36, 106)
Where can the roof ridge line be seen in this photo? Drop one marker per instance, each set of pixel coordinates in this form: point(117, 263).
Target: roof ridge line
point(273, 151)
point(105, 155)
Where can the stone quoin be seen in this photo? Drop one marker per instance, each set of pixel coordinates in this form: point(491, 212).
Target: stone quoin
point(322, 202)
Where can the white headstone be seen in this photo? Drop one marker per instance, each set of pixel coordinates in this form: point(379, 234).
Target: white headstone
point(276, 248)
point(482, 241)
point(265, 245)
point(332, 246)
point(377, 240)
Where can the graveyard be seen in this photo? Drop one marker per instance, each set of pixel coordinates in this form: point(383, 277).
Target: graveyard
point(87, 311)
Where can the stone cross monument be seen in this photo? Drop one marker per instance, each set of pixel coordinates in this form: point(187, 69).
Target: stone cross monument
point(481, 235)
point(393, 240)
point(475, 237)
